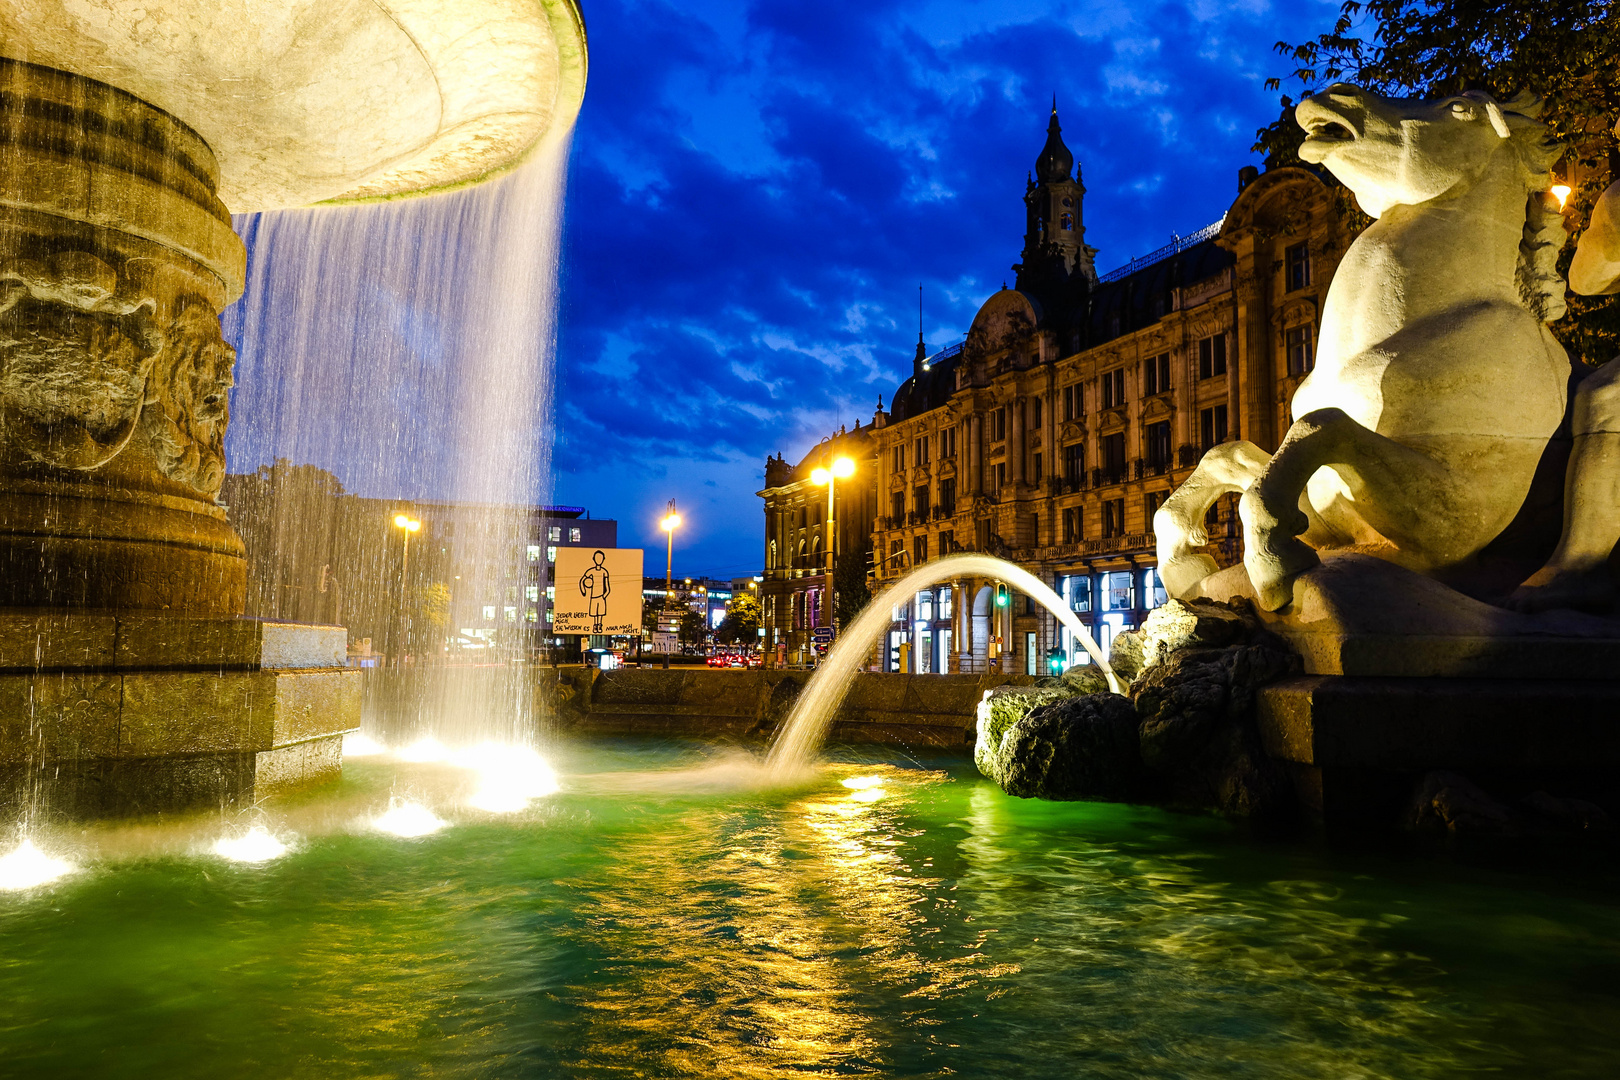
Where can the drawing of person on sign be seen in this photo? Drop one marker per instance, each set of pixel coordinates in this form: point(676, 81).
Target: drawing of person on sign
point(594, 585)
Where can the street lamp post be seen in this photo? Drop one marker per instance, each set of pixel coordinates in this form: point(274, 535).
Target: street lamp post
point(409, 525)
point(840, 469)
point(671, 522)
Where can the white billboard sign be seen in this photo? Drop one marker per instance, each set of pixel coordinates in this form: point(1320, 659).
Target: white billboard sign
point(596, 591)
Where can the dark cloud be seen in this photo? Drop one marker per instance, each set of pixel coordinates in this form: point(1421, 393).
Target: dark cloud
point(758, 188)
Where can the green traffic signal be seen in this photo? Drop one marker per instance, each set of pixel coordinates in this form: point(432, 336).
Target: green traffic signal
point(1001, 596)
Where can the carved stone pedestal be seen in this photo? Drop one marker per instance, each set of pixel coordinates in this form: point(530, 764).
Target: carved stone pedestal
point(111, 714)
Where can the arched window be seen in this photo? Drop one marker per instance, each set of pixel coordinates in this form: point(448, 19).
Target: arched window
point(1067, 221)
point(770, 559)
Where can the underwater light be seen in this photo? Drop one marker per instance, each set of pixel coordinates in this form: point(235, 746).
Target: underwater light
point(408, 819)
point(508, 776)
point(257, 845)
point(357, 745)
point(425, 750)
point(26, 866)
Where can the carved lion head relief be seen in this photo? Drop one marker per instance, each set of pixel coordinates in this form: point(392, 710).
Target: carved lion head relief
point(75, 353)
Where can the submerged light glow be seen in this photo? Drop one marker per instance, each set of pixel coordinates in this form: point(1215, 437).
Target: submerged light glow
point(26, 867)
point(257, 845)
point(408, 819)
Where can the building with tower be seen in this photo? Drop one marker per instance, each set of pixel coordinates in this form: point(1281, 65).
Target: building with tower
point(1079, 401)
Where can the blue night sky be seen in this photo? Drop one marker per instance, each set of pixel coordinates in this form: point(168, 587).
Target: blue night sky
point(758, 187)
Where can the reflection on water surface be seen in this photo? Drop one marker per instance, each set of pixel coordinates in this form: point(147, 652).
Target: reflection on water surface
point(662, 914)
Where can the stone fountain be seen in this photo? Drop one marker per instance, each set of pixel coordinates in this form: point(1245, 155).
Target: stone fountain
point(1435, 536)
point(129, 133)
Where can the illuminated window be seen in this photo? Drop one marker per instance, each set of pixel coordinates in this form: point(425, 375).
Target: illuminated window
point(554, 533)
point(1301, 357)
point(1299, 266)
point(533, 616)
point(573, 536)
point(532, 593)
point(511, 614)
point(489, 613)
point(550, 617)
point(534, 552)
point(551, 592)
point(551, 554)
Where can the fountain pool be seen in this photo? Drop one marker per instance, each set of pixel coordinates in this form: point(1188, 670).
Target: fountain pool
point(885, 916)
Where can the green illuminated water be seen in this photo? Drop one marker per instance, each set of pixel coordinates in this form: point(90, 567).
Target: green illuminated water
point(925, 925)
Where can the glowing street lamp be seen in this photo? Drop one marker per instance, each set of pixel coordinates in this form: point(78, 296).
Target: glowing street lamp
point(671, 522)
point(409, 525)
point(840, 469)
point(1561, 193)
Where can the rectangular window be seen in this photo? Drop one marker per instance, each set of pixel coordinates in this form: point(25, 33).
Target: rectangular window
point(1153, 594)
point(919, 499)
point(554, 533)
point(1113, 388)
point(531, 593)
point(551, 616)
point(1001, 475)
point(1155, 374)
point(925, 607)
point(947, 443)
point(1074, 462)
point(1299, 266)
point(947, 495)
point(1037, 468)
point(897, 506)
point(534, 553)
point(998, 425)
point(1118, 591)
point(1035, 411)
point(1113, 452)
point(1158, 445)
point(1076, 589)
point(1301, 355)
point(551, 592)
point(1212, 356)
point(489, 613)
point(922, 450)
point(1212, 426)
point(947, 541)
point(945, 594)
point(919, 550)
point(551, 554)
point(1113, 517)
point(1029, 653)
point(573, 536)
point(1068, 403)
point(1071, 531)
point(1150, 506)
point(511, 614)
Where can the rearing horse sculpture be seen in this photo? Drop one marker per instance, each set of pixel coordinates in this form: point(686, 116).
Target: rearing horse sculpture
point(1437, 385)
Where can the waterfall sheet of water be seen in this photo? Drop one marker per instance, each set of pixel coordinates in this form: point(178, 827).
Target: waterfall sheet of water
point(405, 348)
point(806, 727)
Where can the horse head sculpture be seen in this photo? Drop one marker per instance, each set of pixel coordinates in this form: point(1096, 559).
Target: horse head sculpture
point(1437, 385)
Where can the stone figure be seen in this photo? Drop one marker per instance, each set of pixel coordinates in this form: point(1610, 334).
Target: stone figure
point(187, 398)
point(1438, 385)
point(1578, 573)
point(75, 354)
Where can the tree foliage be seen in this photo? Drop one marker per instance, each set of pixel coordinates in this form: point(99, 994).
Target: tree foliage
point(741, 624)
point(1568, 51)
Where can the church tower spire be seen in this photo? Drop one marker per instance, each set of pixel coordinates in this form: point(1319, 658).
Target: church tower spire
point(1055, 234)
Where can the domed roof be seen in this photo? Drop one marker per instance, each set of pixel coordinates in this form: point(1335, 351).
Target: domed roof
point(1056, 163)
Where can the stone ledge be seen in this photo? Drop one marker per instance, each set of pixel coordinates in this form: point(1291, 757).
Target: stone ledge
point(113, 641)
point(79, 716)
point(1415, 725)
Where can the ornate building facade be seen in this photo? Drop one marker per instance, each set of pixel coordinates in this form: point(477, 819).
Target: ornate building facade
point(796, 582)
point(1077, 403)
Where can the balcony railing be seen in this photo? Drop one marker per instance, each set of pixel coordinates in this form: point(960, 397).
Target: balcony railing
point(1176, 245)
point(1187, 456)
point(1109, 474)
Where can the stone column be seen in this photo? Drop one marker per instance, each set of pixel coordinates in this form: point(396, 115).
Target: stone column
point(975, 453)
point(1017, 451)
point(115, 260)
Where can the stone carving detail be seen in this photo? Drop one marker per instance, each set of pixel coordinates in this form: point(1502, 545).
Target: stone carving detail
point(75, 353)
point(188, 398)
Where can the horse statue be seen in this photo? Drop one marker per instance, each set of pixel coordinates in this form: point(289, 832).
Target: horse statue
point(1438, 386)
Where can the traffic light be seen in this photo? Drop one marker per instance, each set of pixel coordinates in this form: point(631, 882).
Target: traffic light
point(1054, 660)
point(1001, 595)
